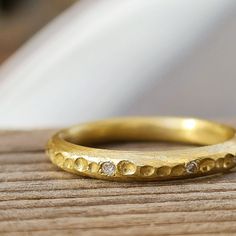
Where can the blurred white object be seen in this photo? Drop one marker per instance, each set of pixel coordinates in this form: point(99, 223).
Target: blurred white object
point(97, 58)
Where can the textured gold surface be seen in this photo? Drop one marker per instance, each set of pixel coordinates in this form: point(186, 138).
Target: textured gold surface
point(67, 149)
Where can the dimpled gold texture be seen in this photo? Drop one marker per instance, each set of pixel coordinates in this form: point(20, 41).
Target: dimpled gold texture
point(72, 149)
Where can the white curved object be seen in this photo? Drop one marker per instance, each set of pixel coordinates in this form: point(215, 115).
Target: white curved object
point(97, 57)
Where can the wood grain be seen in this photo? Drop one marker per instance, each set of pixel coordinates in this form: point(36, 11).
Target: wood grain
point(36, 198)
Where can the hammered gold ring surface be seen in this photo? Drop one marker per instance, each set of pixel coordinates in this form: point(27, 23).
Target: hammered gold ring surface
point(73, 149)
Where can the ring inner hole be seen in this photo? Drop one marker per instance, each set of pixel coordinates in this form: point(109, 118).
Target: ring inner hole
point(174, 133)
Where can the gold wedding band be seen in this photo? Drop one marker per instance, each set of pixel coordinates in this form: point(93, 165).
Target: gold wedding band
point(71, 149)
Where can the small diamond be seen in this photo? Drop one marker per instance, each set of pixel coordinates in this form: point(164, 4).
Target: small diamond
point(191, 167)
point(108, 168)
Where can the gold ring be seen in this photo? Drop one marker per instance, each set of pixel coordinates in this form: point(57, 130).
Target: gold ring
point(71, 149)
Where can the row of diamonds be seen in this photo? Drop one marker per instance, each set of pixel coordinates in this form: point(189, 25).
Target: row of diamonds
point(127, 168)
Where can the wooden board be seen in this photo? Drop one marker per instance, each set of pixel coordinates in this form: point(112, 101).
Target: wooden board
point(37, 198)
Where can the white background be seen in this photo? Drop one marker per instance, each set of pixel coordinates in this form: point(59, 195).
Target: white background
point(123, 57)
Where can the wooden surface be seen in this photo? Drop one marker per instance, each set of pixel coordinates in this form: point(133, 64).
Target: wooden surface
point(37, 198)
